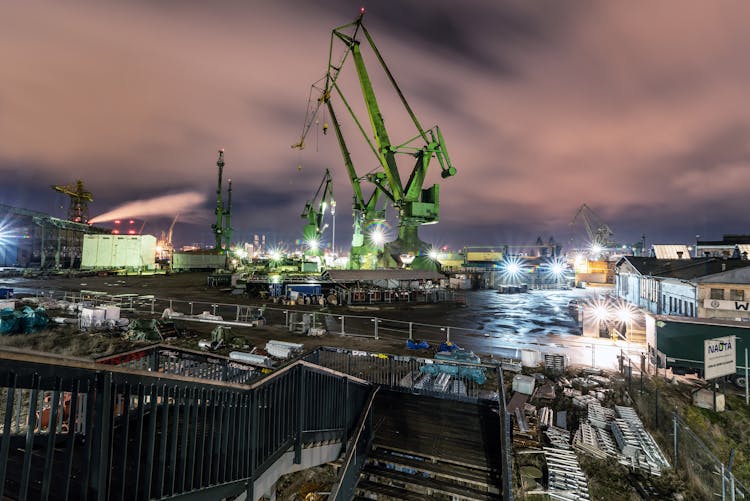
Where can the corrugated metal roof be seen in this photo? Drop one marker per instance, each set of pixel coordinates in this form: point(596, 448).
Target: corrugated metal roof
point(671, 251)
point(742, 248)
point(369, 275)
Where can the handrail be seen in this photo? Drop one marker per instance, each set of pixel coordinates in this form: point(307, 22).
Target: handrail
point(150, 435)
point(506, 464)
point(347, 478)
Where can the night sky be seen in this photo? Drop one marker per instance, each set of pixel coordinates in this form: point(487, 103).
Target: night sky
point(639, 110)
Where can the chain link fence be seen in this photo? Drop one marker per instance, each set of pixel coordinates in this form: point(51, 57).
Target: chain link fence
point(706, 474)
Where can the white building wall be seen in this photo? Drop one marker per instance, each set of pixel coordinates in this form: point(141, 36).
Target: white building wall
point(678, 298)
point(729, 308)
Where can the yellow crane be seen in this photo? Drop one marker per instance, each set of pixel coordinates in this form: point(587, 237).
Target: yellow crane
point(78, 211)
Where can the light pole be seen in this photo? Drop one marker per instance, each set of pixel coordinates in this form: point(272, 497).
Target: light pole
point(625, 315)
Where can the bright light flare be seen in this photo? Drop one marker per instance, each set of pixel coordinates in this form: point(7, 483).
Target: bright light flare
point(625, 312)
point(601, 312)
point(377, 236)
point(512, 267)
point(313, 244)
point(433, 254)
point(596, 248)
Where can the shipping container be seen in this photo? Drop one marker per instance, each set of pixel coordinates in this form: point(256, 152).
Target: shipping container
point(106, 252)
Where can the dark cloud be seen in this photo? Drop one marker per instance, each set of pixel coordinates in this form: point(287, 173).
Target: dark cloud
point(544, 106)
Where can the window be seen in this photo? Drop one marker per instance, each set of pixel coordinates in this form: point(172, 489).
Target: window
point(671, 304)
point(691, 310)
point(736, 294)
point(717, 293)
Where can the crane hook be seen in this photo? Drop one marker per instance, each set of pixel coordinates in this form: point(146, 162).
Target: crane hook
point(325, 128)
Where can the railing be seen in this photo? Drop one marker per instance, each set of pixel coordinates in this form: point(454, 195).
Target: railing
point(183, 362)
point(411, 374)
point(358, 450)
point(73, 429)
point(506, 460)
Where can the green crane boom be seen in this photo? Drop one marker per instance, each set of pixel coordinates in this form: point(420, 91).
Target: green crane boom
point(415, 204)
point(314, 212)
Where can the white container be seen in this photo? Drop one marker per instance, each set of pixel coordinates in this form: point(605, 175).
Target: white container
point(530, 358)
point(111, 312)
point(523, 384)
point(92, 317)
point(704, 399)
point(259, 360)
point(282, 349)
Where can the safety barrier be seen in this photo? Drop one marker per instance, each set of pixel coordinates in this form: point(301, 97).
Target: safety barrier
point(357, 452)
point(73, 429)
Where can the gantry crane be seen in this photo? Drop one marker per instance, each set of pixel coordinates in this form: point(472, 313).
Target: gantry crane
point(414, 204)
point(78, 210)
point(314, 212)
point(598, 232)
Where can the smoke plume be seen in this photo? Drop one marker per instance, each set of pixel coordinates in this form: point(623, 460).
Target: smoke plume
point(167, 206)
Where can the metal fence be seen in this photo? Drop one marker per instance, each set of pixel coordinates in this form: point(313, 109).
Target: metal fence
point(412, 374)
point(506, 443)
point(706, 474)
point(358, 450)
point(71, 430)
point(300, 319)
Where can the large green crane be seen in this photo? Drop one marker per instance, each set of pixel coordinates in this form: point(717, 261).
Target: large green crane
point(314, 212)
point(414, 204)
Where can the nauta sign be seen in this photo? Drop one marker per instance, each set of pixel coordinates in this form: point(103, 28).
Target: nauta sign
point(720, 346)
point(720, 357)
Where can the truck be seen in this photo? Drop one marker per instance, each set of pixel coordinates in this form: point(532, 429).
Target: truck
point(678, 343)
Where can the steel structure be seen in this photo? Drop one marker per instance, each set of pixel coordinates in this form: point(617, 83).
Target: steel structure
point(79, 430)
point(78, 211)
point(414, 204)
point(223, 227)
point(314, 212)
point(598, 232)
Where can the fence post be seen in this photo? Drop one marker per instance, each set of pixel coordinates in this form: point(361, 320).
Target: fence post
point(375, 321)
point(237, 317)
point(153, 303)
point(747, 394)
point(448, 334)
point(593, 355)
point(675, 435)
point(411, 333)
point(343, 333)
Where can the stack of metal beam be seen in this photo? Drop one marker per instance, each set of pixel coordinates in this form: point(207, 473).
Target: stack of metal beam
point(636, 444)
point(546, 416)
point(566, 480)
point(558, 437)
point(599, 416)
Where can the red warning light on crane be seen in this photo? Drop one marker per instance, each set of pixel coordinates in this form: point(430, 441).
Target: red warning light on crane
point(361, 10)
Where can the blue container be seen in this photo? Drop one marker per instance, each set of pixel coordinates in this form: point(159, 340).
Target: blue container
point(6, 293)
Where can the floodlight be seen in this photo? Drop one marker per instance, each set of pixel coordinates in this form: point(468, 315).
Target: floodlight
point(377, 236)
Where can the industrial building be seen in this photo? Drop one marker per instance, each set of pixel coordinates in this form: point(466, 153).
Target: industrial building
point(31, 239)
point(702, 287)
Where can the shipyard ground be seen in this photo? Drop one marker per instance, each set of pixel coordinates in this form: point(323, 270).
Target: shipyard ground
point(607, 480)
